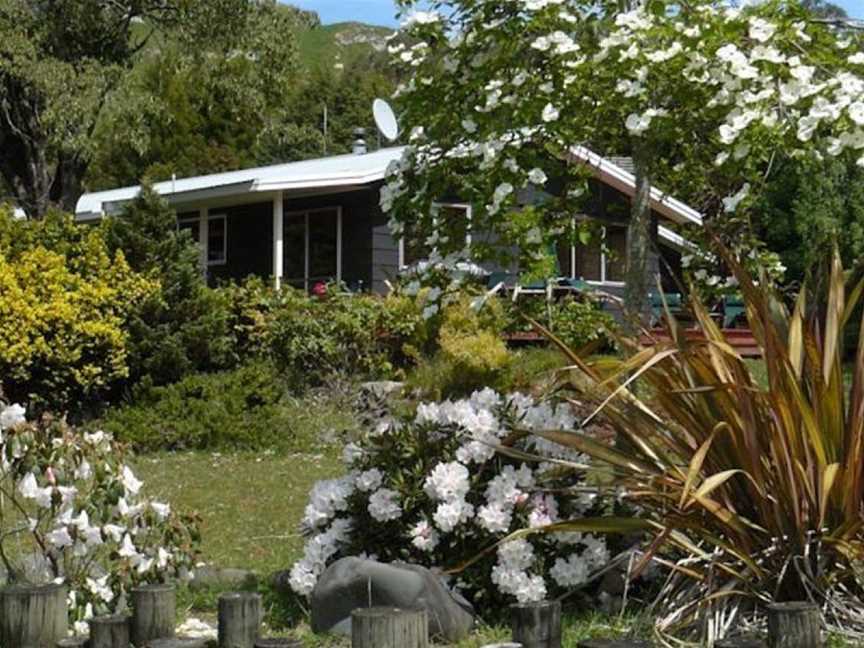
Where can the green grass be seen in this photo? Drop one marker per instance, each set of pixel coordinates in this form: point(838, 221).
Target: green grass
point(250, 503)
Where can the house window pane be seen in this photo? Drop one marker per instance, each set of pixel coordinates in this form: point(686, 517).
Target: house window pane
point(216, 240)
point(563, 249)
point(457, 223)
point(616, 253)
point(588, 259)
point(322, 245)
point(294, 249)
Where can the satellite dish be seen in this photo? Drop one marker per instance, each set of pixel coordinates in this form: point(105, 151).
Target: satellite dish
point(385, 119)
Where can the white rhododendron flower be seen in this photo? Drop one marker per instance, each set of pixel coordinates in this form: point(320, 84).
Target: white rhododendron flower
point(11, 416)
point(384, 505)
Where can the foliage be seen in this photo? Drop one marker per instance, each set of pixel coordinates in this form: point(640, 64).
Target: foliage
point(576, 321)
point(65, 304)
point(186, 327)
point(759, 487)
point(705, 98)
point(248, 408)
point(430, 489)
point(71, 498)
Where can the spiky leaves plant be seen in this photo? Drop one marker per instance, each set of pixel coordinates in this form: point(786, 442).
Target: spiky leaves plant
point(754, 492)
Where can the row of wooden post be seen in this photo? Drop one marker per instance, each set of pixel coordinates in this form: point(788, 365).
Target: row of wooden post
point(37, 617)
point(538, 625)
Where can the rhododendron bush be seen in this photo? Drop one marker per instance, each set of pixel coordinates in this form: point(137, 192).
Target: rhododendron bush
point(431, 489)
point(75, 512)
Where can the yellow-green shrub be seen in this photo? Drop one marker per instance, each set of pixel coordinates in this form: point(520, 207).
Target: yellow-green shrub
point(62, 316)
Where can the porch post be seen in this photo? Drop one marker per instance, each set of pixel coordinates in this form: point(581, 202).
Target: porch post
point(203, 238)
point(278, 235)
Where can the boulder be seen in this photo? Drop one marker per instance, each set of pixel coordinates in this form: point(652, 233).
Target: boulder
point(352, 583)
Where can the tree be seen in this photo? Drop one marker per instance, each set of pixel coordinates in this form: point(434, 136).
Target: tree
point(705, 98)
point(64, 66)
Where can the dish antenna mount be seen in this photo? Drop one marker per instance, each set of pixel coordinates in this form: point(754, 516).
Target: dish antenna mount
point(385, 120)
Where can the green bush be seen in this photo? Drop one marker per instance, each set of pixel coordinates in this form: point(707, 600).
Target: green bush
point(65, 304)
point(187, 327)
point(248, 408)
point(576, 321)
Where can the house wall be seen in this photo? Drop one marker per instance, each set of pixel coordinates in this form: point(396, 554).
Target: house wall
point(250, 242)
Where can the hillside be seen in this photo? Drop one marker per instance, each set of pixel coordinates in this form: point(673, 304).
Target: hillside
point(340, 43)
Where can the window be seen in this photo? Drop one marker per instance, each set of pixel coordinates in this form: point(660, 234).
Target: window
point(602, 260)
point(312, 244)
point(413, 246)
point(215, 247)
point(217, 240)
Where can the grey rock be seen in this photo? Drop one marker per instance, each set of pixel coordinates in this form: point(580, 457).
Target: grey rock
point(179, 642)
point(352, 583)
point(208, 577)
point(381, 388)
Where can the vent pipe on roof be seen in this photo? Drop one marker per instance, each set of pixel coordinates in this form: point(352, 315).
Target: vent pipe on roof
point(359, 147)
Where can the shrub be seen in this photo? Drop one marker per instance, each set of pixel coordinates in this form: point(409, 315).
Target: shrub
point(70, 498)
point(577, 322)
point(430, 489)
point(64, 308)
point(756, 490)
point(247, 408)
point(185, 327)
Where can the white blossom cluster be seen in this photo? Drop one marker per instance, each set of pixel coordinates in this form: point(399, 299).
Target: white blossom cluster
point(57, 480)
point(468, 492)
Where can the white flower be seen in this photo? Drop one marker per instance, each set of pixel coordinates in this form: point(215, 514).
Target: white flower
point(730, 203)
point(196, 628)
point(11, 416)
point(469, 125)
point(352, 453)
point(99, 588)
point(856, 112)
point(495, 518)
point(550, 113)
point(327, 498)
point(447, 482)
point(130, 482)
point(450, 514)
point(161, 510)
point(384, 505)
point(29, 489)
point(537, 176)
point(570, 572)
point(369, 480)
point(856, 59)
point(761, 30)
point(60, 538)
point(424, 536)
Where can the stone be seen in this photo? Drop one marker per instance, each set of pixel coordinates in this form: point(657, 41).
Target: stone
point(352, 583)
point(179, 642)
point(382, 388)
point(209, 577)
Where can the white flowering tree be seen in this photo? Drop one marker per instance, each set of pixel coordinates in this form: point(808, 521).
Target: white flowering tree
point(71, 511)
point(704, 97)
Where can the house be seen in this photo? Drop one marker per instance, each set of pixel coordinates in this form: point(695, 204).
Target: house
point(304, 222)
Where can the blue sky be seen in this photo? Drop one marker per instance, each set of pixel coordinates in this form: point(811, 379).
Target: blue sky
point(382, 12)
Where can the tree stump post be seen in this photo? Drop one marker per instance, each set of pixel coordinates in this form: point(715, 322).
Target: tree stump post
point(387, 627)
point(613, 643)
point(239, 619)
point(73, 642)
point(537, 625)
point(33, 616)
point(109, 631)
point(154, 613)
point(740, 642)
point(796, 624)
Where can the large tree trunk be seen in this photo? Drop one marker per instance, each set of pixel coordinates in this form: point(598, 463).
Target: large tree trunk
point(637, 274)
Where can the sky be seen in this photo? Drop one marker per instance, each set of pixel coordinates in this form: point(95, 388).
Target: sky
point(382, 12)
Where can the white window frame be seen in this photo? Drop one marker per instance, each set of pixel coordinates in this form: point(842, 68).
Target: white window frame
point(223, 260)
point(306, 213)
point(452, 205)
point(603, 258)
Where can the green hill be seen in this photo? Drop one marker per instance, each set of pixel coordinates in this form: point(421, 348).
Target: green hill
point(340, 43)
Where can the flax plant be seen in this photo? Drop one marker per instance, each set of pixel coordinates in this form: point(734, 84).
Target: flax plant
point(753, 493)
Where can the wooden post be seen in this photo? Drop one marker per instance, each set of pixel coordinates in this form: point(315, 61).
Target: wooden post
point(239, 619)
point(73, 642)
point(278, 642)
point(387, 627)
point(33, 616)
point(796, 624)
point(109, 631)
point(154, 613)
point(178, 642)
point(740, 642)
point(537, 625)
